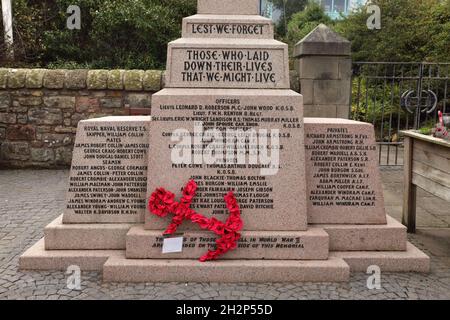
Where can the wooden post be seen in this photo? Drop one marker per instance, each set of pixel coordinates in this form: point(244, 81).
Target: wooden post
point(8, 28)
point(410, 190)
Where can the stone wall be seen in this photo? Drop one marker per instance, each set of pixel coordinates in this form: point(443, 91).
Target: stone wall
point(40, 109)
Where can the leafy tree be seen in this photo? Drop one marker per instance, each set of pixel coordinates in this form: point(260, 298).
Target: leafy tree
point(288, 8)
point(411, 30)
point(114, 33)
point(305, 21)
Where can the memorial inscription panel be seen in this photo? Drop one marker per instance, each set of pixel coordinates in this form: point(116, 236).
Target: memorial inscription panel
point(344, 184)
point(311, 244)
point(215, 26)
point(195, 135)
point(108, 177)
point(228, 64)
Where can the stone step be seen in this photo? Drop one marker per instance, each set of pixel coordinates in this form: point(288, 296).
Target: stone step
point(411, 260)
point(298, 245)
point(389, 237)
point(37, 258)
point(120, 269)
point(100, 236)
point(230, 63)
point(227, 26)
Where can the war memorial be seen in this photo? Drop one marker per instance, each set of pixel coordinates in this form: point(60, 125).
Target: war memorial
point(306, 202)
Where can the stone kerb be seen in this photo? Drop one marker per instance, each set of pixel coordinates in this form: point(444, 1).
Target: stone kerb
point(324, 67)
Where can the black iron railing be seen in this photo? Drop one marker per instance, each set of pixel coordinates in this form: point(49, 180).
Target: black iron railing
point(396, 96)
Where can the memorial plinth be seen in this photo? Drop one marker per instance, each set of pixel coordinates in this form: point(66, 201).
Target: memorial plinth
point(309, 189)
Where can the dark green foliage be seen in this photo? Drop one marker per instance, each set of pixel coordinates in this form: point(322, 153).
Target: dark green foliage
point(114, 33)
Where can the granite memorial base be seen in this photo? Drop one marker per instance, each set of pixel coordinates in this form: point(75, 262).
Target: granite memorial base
point(309, 190)
point(125, 252)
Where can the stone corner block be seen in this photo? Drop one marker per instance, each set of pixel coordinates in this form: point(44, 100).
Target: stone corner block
point(16, 78)
point(152, 80)
point(76, 79)
point(97, 79)
point(115, 79)
point(322, 41)
point(133, 80)
point(3, 77)
point(35, 78)
point(54, 79)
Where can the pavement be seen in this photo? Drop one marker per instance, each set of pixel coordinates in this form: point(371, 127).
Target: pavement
point(30, 199)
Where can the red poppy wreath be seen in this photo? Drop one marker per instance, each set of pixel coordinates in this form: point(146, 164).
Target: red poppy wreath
point(162, 202)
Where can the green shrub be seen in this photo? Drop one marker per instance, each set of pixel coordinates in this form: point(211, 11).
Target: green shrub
point(130, 34)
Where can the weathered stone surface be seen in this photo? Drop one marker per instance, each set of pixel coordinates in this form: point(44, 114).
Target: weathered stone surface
point(76, 79)
point(237, 7)
point(97, 79)
point(56, 139)
point(411, 260)
point(270, 245)
point(343, 111)
point(152, 80)
point(29, 101)
point(63, 156)
point(307, 91)
point(16, 78)
point(115, 79)
point(21, 132)
point(335, 91)
point(37, 258)
point(350, 237)
point(120, 269)
point(322, 41)
point(133, 80)
point(45, 116)
point(4, 102)
point(61, 102)
point(22, 119)
point(110, 102)
point(319, 68)
point(35, 78)
point(63, 129)
point(343, 178)
point(2, 133)
point(8, 118)
point(111, 152)
point(319, 111)
point(87, 104)
point(227, 26)
point(3, 77)
point(138, 100)
point(278, 193)
point(42, 154)
point(15, 150)
point(59, 236)
point(54, 79)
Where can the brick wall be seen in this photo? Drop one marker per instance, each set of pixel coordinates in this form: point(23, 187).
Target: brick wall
point(40, 109)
